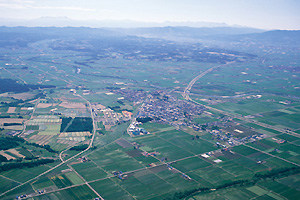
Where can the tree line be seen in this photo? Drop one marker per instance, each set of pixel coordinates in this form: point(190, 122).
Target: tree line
point(21, 165)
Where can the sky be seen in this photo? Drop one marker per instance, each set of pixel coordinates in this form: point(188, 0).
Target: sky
point(264, 14)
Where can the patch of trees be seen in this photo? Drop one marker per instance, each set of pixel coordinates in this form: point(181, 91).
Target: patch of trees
point(3, 158)
point(64, 123)
point(276, 173)
point(47, 147)
point(32, 127)
point(78, 124)
point(114, 108)
point(81, 124)
point(21, 165)
point(12, 124)
point(112, 88)
point(8, 116)
point(12, 142)
point(121, 102)
point(10, 85)
point(144, 119)
point(79, 147)
point(7, 143)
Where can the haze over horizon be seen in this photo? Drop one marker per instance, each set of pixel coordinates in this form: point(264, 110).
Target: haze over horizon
point(267, 14)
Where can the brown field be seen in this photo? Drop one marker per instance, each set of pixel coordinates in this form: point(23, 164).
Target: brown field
point(23, 96)
point(107, 127)
point(41, 139)
point(8, 157)
point(75, 134)
point(46, 105)
point(11, 120)
point(15, 152)
point(98, 106)
point(67, 104)
point(12, 127)
point(11, 109)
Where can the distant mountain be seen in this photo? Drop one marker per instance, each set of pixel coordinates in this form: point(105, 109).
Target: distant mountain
point(65, 21)
point(275, 37)
point(284, 35)
point(187, 32)
point(22, 36)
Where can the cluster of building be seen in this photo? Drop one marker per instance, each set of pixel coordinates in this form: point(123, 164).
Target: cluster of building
point(119, 174)
point(41, 191)
point(109, 117)
point(135, 96)
point(21, 196)
point(165, 108)
point(228, 139)
point(133, 129)
point(146, 154)
point(83, 159)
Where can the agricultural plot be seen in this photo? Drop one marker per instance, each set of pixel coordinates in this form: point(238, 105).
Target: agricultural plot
point(90, 171)
point(78, 193)
point(249, 107)
point(245, 88)
point(112, 158)
point(291, 121)
point(175, 144)
point(15, 153)
point(41, 139)
point(240, 131)
point(72, 137)
point(7, 155)
point(154, 127)
point(22, 175)
point(10, 121)
point(11, 109)
point(110, 190)
point(50, 130)
point(6, 184)
point(123, 143)
point(280, 148)
point(281, 189)
point(44, 119)
point(43, 183)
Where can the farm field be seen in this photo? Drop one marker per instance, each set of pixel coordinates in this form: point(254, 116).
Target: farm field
point(112, 116)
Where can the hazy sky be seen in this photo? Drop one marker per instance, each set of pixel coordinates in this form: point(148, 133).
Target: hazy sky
point(267, 14)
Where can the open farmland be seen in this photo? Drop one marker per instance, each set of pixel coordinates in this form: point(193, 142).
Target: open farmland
point(92, 113)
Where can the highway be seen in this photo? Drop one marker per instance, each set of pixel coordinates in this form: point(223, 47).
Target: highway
point(248, 120)
point(187, 97)
point(189, 87)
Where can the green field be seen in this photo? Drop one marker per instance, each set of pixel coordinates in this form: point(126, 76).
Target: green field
point(189, 146)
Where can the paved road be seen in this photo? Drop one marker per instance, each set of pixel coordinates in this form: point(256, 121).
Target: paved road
point(250, 120)
point(51, 169)
point(187, 97)
point(31, 116)
point(271, 155)
point(189, 87)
